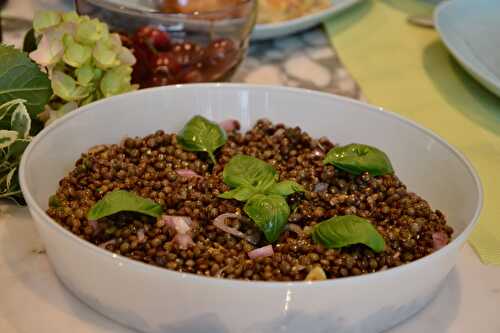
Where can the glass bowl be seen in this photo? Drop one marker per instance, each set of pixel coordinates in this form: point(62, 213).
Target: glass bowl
point(181, 47)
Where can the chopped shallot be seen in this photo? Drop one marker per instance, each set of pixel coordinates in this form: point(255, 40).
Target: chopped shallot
point(261, 252)
point(140, 235)
point(181, 224)
point(103, 245)
point(187, 173)
point(183, 240)
point(440, 239)
point(220, 222)
point(230, 125)
point(93, 224)
point(320, 187)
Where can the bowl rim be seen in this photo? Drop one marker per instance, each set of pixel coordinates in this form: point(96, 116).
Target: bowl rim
point(189, 277)
point(158, 14)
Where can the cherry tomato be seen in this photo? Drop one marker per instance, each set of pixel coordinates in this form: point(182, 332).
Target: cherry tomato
point(153, 37)
point(187, 53)
point(166, 65)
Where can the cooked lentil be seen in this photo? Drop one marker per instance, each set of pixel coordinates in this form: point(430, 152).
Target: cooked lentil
point(147, 166)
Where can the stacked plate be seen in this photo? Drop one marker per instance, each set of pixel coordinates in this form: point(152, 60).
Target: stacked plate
point(471, 31)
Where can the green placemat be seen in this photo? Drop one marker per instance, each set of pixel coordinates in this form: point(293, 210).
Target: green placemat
point(408, 70)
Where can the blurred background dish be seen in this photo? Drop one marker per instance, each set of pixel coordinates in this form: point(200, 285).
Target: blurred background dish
point(301, 23)
point(272, 11)
point(190, 43)
point(470, 30)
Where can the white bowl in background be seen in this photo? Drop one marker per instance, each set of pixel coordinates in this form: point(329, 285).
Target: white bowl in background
point(153, 299)
point(470, 31)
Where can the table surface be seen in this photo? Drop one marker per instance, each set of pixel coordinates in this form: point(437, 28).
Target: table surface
point(33, 299)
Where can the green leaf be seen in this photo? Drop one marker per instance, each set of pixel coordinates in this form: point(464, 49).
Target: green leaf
point(201, 134)
point(240, 193)
point(7, 138)
point(20, 121)
point(250, 172)
point(119, 201)
point(270, 213)
point(29, 42)
point(17, 148)
point(21, 78)
point(10, 175)
point(358, 158)
point(6, 107)
point(285, 188)
point(342, 231)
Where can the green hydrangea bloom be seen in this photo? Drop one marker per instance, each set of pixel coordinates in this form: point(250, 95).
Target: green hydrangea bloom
point(84, 60)
point(44, 20)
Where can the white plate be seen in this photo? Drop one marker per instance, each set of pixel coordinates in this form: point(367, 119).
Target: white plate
point(471, 31)
point(280, 29)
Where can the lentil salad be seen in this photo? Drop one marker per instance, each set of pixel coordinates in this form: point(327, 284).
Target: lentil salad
point(220, 237)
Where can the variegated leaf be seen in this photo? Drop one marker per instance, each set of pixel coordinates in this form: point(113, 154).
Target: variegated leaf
point(7, 138)
point(10, 175)
point(17, 148)
point(21, 121)
point(5, 107)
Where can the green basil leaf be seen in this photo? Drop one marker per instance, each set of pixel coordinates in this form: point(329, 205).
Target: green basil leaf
point(358, 158)
point(21, 78)
point(285, 188)
point(201, 134)
point(240, 193)
point(342, 231)
point(123, 201)
point(248, 171)
point(270, 213)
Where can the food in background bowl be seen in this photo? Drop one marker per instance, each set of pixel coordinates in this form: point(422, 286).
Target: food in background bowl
point(271, 11)
point(193, 6)
point(154, 299)
point(270, 204)
point(160, 61)
point(172, 48)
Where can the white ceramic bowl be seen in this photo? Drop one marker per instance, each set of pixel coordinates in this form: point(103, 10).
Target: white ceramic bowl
point(152, 299)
